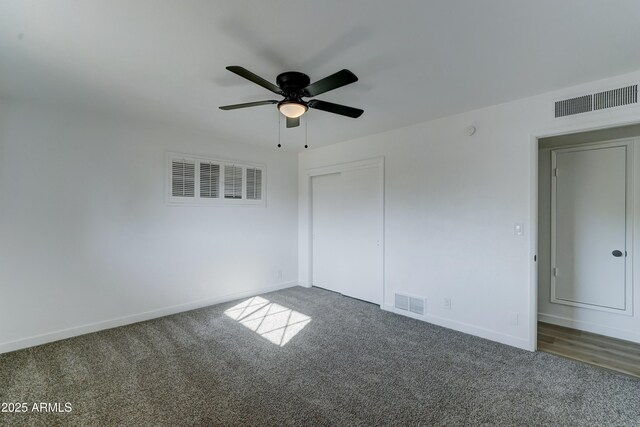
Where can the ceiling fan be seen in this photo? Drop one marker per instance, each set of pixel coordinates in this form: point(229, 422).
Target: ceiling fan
point(294, 86)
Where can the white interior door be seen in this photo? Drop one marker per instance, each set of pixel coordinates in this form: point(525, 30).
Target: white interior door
point(327, 231)
point(347, 233)
point(590, 227)
point(362, 234)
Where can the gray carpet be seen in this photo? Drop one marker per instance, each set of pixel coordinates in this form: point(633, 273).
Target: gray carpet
point(351, 365)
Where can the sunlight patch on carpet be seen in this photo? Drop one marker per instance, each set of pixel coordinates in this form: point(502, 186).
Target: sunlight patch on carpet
point(272, 321)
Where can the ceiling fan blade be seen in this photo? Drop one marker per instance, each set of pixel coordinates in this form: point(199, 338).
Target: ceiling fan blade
point(334, 81)
point(247, 104)
point(343, 110)
point(293, 122)
point(243, 72)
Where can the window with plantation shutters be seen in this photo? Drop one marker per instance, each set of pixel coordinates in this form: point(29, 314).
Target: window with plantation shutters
point(254, 184)
point(232, 182)
point(195, 180)
point(183, 178)
point(209, 180)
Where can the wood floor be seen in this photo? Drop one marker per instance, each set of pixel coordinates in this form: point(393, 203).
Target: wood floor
point(598, 350)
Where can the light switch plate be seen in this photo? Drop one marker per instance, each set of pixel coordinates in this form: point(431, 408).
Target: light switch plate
point(518, 229)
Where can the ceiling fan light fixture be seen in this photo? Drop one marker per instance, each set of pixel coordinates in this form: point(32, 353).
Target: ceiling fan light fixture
point(292, 109)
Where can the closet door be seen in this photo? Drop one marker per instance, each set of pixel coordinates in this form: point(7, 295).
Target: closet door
point(590, 227)
point(347, 221)
point(327, 231)
point(362, 234)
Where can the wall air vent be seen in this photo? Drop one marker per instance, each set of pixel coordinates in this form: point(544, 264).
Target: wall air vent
point(597, 101)
point(569, 107)
point(412, 304)
point(615, 97)
point(402, 302)
point(416, 305)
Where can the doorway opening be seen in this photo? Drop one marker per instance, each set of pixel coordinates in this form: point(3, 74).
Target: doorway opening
point(588, 302)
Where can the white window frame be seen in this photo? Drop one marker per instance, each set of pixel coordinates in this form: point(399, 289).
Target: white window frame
point(220, 201)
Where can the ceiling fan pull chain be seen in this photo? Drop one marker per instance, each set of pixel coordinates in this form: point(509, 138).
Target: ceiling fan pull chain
point(279, 130)
point(306, 127)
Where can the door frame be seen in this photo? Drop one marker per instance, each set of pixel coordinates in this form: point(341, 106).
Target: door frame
point(534, 192)
point(377, 162)
point(628, 143)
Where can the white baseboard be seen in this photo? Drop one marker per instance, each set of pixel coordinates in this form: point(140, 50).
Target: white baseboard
point(134, 318)
point(589, 327)
point(465, 327)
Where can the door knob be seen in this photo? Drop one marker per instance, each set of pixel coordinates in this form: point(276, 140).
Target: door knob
point(616, 253)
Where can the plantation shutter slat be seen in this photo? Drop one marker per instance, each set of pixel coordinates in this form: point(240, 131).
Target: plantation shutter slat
point(254, 184)
point(209, 180)
point(183, 178)
point(232, 182)
point(258, 184)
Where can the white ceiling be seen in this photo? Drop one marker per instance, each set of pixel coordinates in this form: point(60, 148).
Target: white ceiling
point(416, 60)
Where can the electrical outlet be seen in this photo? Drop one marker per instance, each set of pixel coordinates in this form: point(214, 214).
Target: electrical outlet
point(447, 303)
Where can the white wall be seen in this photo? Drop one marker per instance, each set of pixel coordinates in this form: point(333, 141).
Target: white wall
point(87, 240)
point(621, 326)
point(451, 202)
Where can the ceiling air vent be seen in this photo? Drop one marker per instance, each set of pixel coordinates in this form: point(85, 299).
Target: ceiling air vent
point(412, 304)
point(597, 101)
point(615, 97)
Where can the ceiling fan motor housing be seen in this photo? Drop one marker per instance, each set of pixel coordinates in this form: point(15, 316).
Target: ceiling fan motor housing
point(292, 83)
